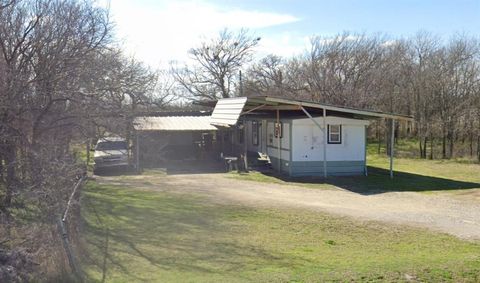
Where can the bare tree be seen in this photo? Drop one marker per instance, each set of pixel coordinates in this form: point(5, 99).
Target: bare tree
point(46, 47)
point(342, 67)
point(266, 77)
point(216, 64)
point(435, 81)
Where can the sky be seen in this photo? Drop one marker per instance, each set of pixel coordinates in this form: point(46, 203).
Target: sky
point(160, 31)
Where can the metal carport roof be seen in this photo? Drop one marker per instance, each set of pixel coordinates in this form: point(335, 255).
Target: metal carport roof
point(173, 123)
point(227, 111)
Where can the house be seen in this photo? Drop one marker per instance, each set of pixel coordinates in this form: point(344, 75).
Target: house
point(300, 138)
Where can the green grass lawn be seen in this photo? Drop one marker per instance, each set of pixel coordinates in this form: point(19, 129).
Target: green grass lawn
point(466, 170)
point(135, 235)
point(410, 174)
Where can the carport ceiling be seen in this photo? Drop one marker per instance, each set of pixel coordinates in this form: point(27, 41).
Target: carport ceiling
point(227, 111)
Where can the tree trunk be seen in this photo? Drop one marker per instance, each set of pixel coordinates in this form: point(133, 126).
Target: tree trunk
point(421, 147)
point(88, 151)
point(444, 146)
point(425, 147)
point(10, 156)
point(23, 160)
point(379, 140)
point(478, 148)
point(1, 166)
point(451, 141)
point(471, 143)
point(431, 147)
point(2, 180)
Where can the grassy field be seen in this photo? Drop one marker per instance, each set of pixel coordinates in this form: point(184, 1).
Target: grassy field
point(467, 170)
point(135, 235)
point(461, 177)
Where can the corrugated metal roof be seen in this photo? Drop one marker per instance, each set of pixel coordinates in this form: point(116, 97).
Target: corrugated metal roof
point(175, 112)
point(227, 111)
point(173, 123)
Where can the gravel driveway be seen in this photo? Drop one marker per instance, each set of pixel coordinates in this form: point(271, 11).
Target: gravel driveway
point(437, 212)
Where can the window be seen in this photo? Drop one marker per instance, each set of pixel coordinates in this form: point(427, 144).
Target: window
point(334, 134)
point(112, 145)
point(255, 132)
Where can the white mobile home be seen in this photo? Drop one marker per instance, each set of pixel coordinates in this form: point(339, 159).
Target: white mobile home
point(301, 138)
point(301, 145)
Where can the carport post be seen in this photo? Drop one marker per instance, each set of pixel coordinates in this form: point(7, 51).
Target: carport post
point(279, 133)
point(137, 150)
point(365, 156)
point(392, 144)
point(245, 144)
point(324, 143)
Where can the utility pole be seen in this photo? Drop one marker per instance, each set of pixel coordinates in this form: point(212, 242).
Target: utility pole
point(241, 83)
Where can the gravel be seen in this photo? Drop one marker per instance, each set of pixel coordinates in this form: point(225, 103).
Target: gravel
point(442, 213)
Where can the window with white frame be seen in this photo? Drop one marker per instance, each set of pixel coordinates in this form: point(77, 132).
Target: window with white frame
point(334, 134)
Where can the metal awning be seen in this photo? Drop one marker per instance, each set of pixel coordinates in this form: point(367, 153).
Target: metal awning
point(173, 123)
point(227, 111)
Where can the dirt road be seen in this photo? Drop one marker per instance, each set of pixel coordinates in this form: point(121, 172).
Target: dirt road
point(440, 213)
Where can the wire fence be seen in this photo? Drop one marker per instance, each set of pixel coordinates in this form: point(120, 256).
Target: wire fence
point(64, 231)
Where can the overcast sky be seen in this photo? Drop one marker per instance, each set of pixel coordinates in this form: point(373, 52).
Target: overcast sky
point(159, 31)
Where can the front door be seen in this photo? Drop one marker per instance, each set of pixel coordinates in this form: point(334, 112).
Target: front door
point(263, 135)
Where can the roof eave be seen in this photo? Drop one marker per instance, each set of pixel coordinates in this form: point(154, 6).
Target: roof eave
point(364, 113)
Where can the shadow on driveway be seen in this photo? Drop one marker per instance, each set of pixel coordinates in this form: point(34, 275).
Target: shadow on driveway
point(378, 181)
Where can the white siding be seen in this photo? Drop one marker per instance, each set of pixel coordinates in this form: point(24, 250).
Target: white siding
point(307, 143)
point(270, 140)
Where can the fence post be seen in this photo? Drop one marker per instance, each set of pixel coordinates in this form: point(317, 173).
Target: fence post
point(68, 251)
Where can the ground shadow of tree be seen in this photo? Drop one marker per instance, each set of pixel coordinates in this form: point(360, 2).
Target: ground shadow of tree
point(379, 181)
point(127, 224)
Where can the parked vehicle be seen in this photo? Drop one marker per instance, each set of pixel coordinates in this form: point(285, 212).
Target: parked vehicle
point(111, 152)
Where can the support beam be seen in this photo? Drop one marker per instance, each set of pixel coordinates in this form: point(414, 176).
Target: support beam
point(365, 156)
point(245, 144)
point(253, 109)
point(137, 149)
point(392, 145)
point(279, 133)
point(271, 107)
point(286, 101)
point(311, 118)
point(324, 143)
point(324, 131)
